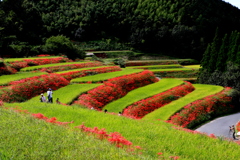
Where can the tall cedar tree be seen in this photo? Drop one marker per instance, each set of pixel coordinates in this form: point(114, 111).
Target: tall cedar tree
point(222, 56)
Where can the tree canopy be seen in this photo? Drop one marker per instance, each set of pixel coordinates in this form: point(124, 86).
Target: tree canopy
point(179, 28)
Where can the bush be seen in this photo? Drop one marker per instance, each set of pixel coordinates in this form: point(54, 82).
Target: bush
point(61, 44)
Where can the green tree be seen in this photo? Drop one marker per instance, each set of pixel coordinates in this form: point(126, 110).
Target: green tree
point(62, 45)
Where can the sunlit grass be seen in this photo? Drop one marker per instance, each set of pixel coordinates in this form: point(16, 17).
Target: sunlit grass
point(49, 65)
point(152, 137)
point(21, 59)
point(170, 69)
point(192, 66)
point(68, 93)
point(142, 93)
point(80, 69)
point(24, 138)
point(158, 66)
point(106, 76)
point(5, 79)
point(201, 91)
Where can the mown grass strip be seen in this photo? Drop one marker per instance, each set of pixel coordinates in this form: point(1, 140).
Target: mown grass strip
point(201, 91)
point(23, 137)
point(153, 138)
point(81, 69)
point(158, 66)
point(105, 76)
point(5, 79)
point(142, 93)
point(21, 59)
point(170, 70)
point(68, 93)
point(192, 66)
point(50, 65)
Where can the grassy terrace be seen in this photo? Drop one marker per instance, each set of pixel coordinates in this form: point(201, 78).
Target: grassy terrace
point(21, 59)
point(153, 138)
point(142, 93)
point(192, 66)
point(201, 91)
point(32, 68)
point(105, 76)
point(68, 93)
point(24, 138)
point(5, 79)
point(170, 70)
point(157, 66)
point(81, 69)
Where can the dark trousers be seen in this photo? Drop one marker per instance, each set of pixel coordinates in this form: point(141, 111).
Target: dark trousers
point(50, 100)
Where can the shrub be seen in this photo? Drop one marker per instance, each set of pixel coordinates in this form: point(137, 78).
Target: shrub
point(61, 44)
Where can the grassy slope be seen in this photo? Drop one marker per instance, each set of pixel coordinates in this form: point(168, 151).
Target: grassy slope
point(201, 91)
point(142, 93)
point(68, 93)
point(105, 76)
point(170, 69)
point(153, 138)
point(21, 59)
point(25, 138)
point(49, 65)
point(81, 69)
point(158, 66)
point(5, 79)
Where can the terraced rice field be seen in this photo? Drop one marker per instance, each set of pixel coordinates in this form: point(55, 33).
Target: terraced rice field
point(148, 138)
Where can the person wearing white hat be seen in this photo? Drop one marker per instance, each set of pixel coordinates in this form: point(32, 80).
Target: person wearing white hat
point(49, 95)
point(42, 98)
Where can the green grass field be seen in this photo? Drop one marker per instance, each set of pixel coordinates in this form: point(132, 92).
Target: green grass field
point(5, 79)
point(105, 76)
point(68, 93)
point(153, 138)
point(142, 93)
point(157, 66)
point(81, 69)
point(32, 68)
point(170, 70)
point(24, 138)
point(192, 66)
point(21, 59)
point(201, 91)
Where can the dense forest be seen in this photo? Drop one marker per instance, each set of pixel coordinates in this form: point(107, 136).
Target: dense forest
point(179, 28)
point(221, 61)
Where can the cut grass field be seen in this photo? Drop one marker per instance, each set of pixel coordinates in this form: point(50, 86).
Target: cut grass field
point(152, 138)
point(81, 69)
point(68, 93)
point(142, 93)
point(21, 59)
point(192, 66)
point(5, 79)
point(165, 112)
point(32, 68)
point(170, 70)
point(24, 138)
point(105, 76)
point(157, 66)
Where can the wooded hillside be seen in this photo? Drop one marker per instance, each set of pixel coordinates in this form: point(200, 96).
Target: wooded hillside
point(179, 28)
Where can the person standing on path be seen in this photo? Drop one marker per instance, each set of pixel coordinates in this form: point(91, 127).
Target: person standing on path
point(232, 130)
point(49, 95)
